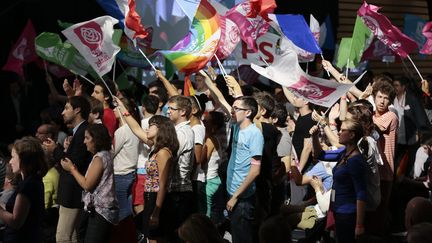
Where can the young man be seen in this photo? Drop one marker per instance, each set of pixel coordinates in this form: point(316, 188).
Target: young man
point(387, 123)
point(243, 168)
point(180, 197)
point(69, 196)
point(101, 92)
point(412, 120)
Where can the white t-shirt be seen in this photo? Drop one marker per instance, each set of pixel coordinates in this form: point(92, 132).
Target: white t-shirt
point(125, 150)
point(143, 149)
point(199, 136)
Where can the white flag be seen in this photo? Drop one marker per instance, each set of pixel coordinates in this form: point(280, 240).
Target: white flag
point(286, 71)
point(93, 39)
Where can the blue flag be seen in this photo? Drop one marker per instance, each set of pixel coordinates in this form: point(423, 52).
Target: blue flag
point(294, 27)
point(327, 35)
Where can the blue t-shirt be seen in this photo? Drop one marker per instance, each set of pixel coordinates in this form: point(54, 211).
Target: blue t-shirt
point(246, 143)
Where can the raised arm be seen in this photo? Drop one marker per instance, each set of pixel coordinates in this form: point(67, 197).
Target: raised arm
point(340, 77)
point(172, 91)
point(215, 93)
point(132, 123)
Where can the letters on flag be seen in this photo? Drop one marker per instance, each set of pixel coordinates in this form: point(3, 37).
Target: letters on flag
point(93, 39)
point(250, 28)
point(23, 51)
point(383, 29)
point(230, 37)
point(286, 71)
point(50, 47)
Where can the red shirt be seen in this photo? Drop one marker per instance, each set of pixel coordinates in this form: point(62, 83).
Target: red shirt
point(110, 121)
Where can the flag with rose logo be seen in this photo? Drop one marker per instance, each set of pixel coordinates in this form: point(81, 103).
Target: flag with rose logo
point(286, 71)
point(93, 40)
point(230, 37)
point(383, 29)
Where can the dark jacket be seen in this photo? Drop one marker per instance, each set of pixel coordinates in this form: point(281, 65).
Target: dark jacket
point(69, 191)
point(415, 118)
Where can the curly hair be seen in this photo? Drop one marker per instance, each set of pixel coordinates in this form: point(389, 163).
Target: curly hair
point(101, 137)
point(385, 88)
point(166, 135)
point(31, 155)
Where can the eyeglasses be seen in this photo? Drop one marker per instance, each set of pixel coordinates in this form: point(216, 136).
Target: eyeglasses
point(173, 109)
point(237, 109)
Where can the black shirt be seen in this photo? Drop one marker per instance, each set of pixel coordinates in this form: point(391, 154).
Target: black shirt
point(31, 231)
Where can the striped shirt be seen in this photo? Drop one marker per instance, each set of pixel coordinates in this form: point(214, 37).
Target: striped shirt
point(388, 124)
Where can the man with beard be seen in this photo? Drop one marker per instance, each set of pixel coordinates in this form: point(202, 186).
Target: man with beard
point(75, 115)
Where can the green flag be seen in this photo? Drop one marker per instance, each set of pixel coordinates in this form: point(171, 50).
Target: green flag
point(360, 41)
point(50, 47)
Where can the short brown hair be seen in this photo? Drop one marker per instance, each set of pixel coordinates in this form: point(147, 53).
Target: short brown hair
point(183, 103)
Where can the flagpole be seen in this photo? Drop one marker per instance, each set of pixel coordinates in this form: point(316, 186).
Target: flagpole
point(46, 67)
point(415, 67)
point(347, 68)
point(220, 66)
point(88, 80)
point(307, 67)
point(266, 63)
point(144, 55)
point(114, 69)
point(322, 58)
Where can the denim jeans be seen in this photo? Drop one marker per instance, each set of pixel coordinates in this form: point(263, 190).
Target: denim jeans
point(242, 221)
point(123, 185)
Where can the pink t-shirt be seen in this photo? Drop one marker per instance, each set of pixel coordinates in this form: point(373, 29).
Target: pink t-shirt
point(388, 124)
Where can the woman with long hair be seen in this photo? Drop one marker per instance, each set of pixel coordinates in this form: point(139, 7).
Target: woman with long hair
point(161, 131)
point(99, 199)
point(24, 210)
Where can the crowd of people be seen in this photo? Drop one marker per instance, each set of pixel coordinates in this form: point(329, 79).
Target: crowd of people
point(258, 165)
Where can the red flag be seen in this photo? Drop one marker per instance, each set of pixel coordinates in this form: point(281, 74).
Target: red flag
point(188, 89)
point(23, 51)
point(427, 32)
point(262, 8)
point(383, 29)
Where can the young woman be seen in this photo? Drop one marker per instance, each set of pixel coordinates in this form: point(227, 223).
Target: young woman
point(160, 132)
point(349, 193)
point(214, 153)
point(98, 183)
point(25, 208)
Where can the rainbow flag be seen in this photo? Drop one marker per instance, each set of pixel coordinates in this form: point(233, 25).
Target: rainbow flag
point(194, 51)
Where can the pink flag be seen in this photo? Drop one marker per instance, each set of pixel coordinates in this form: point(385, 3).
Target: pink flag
point(427, 32)
point(286, 71)
point(383, 29)
point(230, 37)
point(250, 28)
point(379, 51)
point(262, 8)
point(23, 51)
point(93, 40)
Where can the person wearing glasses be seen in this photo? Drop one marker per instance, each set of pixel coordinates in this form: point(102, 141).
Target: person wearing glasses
point(243, 168)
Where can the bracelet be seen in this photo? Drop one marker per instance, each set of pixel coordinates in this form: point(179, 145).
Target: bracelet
point(126, 113)
point(359, 226)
